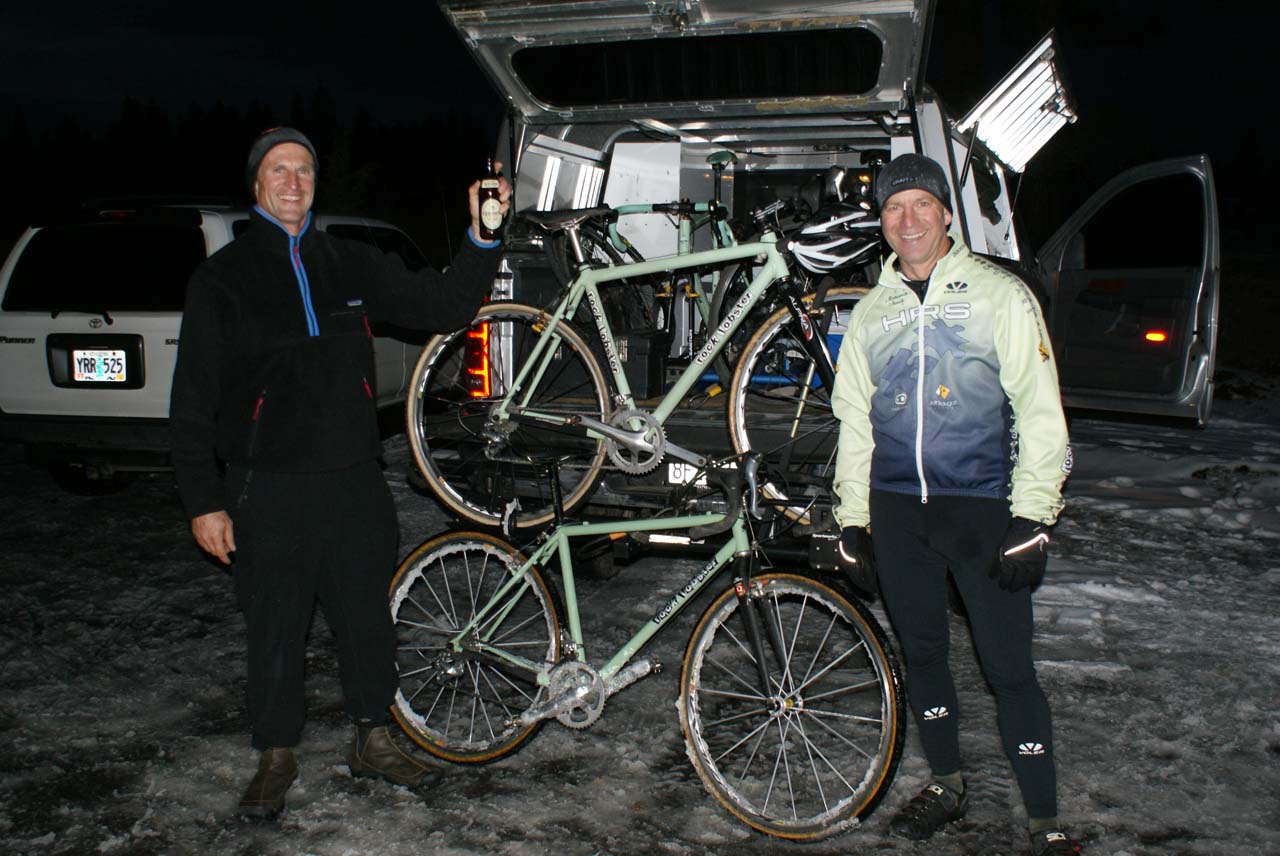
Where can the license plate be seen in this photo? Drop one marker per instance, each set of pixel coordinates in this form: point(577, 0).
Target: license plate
point(98, 366)
point(680, 473)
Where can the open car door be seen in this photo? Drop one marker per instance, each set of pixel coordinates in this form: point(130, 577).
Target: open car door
point(1132, 282)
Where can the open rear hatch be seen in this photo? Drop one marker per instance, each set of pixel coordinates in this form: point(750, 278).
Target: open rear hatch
point(615, 60)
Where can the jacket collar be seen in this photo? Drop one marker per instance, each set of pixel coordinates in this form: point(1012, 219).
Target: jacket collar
point(262, 222)
point(891, 277)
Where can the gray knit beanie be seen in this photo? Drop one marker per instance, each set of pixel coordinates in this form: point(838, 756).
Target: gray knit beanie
point(267, 141)
point(913, 172)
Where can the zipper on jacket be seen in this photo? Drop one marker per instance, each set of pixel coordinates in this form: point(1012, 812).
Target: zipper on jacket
point(920, 360)
point(244, 489)
point(304, 286)
point(299, 272)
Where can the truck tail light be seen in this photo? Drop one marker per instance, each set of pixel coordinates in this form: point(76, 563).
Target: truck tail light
point(476, 361)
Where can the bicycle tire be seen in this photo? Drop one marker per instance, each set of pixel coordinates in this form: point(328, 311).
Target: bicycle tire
point(773, 410)
point(447, 411)
point(817, 755)
point(460, 706)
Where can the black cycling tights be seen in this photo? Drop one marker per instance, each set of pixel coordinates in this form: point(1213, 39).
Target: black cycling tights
point(916, 544)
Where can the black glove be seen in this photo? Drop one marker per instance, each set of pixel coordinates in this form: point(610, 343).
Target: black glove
point(857, 559)
point(1022, 556)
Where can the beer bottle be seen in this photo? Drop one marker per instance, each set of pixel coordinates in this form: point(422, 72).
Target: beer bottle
point(490, 206)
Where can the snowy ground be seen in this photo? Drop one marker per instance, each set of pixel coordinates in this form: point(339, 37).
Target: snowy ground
point(122, 732)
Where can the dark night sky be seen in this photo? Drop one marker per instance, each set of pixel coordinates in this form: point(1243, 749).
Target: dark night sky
point(394, 59)
point(1152, 78)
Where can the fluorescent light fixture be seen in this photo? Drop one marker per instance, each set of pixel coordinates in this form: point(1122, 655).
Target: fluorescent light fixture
point(1024, 110)
point(550, 175)
point(590, 183)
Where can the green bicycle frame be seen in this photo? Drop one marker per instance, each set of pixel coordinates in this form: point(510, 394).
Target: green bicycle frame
point(684, 241)
point(586, 286)
point(471, 637)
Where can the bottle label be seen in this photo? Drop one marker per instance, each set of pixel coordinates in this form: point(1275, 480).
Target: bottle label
point(490, 214)
point(489, 183)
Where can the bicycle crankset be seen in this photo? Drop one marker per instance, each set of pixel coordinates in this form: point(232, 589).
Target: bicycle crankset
point(579, 692)
point(643, 453)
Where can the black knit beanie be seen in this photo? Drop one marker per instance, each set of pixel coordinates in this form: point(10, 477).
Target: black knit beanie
point(913, 172)
point(267, 141)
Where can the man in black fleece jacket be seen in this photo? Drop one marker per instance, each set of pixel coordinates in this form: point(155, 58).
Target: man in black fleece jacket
point(276, 447)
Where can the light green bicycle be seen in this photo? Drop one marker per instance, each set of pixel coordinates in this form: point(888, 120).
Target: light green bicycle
point(790, 699)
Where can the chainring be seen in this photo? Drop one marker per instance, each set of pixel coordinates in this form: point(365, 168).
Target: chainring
point(634, 461)
point(579, 678)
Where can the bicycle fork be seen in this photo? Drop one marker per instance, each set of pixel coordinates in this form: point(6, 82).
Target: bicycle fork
point(763, 635)
point(814, 341)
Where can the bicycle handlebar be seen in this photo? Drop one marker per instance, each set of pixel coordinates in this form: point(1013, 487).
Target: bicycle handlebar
point(731, 482)
point(686, 208)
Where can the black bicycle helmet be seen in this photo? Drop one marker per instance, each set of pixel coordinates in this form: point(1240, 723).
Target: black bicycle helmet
point(836, 236)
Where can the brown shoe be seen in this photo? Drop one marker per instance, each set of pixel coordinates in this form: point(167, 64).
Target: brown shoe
point(264, 798)
point(374, 754)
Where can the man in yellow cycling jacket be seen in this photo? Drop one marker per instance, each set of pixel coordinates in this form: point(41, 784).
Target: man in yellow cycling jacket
point(953, 450)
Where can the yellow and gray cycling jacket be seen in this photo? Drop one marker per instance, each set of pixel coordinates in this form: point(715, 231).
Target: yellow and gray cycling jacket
point(980, 417)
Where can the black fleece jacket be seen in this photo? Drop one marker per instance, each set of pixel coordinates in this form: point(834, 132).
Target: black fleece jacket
point(275, 360)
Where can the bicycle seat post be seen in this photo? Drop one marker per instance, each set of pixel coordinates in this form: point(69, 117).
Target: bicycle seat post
point(557, 498)
point(571, 232)
point(718, 160)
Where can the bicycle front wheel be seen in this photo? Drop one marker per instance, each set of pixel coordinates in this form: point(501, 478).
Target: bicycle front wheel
point(779, 407)
point(461, 704)
point(477, 466)
point(813, 752)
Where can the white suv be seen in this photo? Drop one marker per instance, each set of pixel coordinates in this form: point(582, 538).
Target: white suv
point(89, 323)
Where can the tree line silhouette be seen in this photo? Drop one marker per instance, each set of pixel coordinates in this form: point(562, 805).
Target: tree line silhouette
point(412, 174)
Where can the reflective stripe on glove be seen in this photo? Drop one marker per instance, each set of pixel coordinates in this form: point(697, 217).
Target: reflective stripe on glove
point(1023, 555)
point(857, 559)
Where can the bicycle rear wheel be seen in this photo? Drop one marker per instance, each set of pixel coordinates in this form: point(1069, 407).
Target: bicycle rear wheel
point(460, 705)
point(816, 752)
point(477, 467)
point(778, 406)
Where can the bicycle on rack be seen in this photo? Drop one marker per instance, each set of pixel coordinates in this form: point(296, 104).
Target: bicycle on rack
point(652, 303)
point(791, 702)
point(519, 379)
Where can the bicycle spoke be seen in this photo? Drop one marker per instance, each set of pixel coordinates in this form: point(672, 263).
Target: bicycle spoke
point(429, 628)
point(759, 734)
point(818, 719)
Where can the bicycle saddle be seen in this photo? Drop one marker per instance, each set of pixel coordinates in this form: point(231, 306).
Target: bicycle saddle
point(567, 218)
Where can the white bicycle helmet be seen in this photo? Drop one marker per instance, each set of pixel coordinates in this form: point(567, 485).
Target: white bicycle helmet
point(836, 236)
